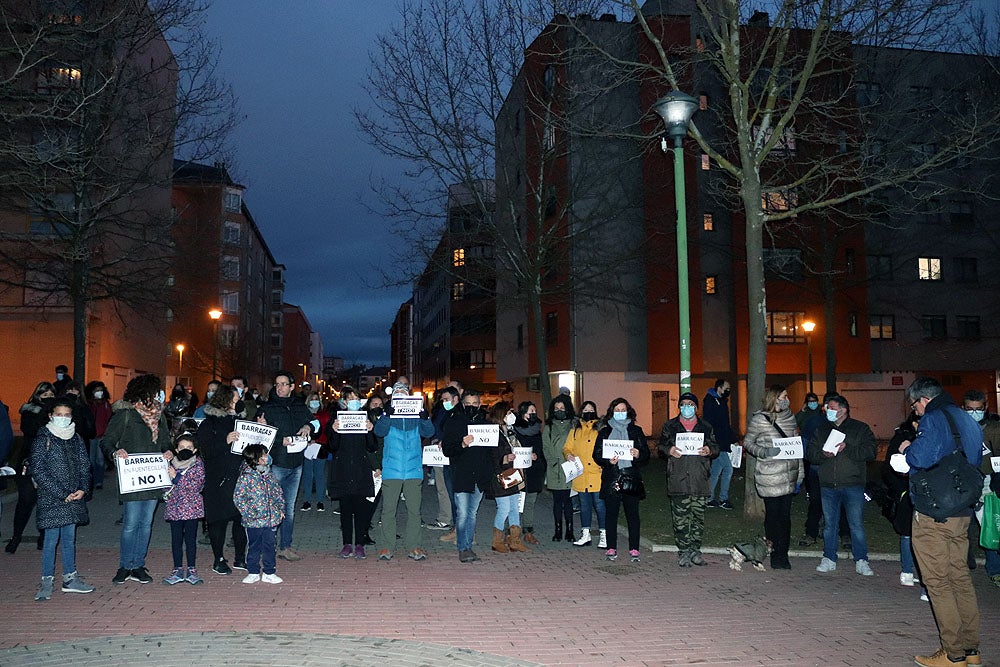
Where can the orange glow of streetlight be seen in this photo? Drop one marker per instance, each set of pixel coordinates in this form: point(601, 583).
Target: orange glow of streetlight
point(215, 313)
point(808, 326)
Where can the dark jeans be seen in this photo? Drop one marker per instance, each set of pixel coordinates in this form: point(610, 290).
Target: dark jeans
point(450, 486)
point(355, 514)
point(631, 505)
point(778, 525)
point(562, 508)
point(217, 536)
point(27, 496)
point(261, 547)
point(815, 511)
point(184, 537)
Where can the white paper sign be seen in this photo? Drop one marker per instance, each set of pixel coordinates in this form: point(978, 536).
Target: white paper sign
point(351, 421)
point(142, 472)
point(407, 406)
point(995, 462)
point(572, 469)
point(298, 444)
point(433, 456)
point(834, 439)
point(522, 457)
point(378, 485)
point(620, 448)
point(736, 455)
point(520, 502)
point(252, 433)
point(486, 435)
point(791, 448)
point(689, 444)
point(312, 451)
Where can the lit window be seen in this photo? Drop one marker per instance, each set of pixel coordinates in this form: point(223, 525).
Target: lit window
point(852, 324)
point(231, 303)
point(706, 162)
point(699, 44)
point(227, 334)
point(775, 201)
point(929, 268)
point(703, 102)
point(785, 327)
point(881, 327)
point(57, 78)
point(709, 284)
point(458, 257)
point(708, 222)
point(457, 291)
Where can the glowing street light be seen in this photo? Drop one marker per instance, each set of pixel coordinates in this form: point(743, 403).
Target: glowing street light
point(180, 358)
point(215, 314)
point(808, 327)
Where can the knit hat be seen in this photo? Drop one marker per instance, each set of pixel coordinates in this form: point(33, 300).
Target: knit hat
point(688, 396)
point(399, 387)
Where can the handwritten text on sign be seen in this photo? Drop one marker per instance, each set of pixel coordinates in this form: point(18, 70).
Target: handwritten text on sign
point(791, 448)
point(572, 469)
point(409, 406)
point(142, 472)
point(522, 457)
point(252, 433)
point(620, 448)
point(350, 421)
point(433, 456)
point(689, 444)
point(486, 435)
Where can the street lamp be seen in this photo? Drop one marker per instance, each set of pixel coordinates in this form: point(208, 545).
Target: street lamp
point(180, 359)
point(808, 327)
point(305, 373)
point(676, 109)
point(215, 314)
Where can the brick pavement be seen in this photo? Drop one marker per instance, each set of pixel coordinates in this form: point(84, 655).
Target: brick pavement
point(558, 605)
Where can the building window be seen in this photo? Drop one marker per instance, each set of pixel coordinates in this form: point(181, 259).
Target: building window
point(968, 327)
point(708, 222)
point(231, 303)
point(710, 284)
point(929, 268)
point(776, 201)
point(549, 79)
point(549, 138)
point(842, 142)
point(457, 291)
point(458, 257)
point(276, 274)
point(231, 233)
point(517, 123)
point(783, 263)
point(935, 327)
point(703, 102)
point(233, 201)
point(960, 212)
point(852, 324)
point(881, 327)
point(551, 329)
point(170, 314)
point(53, 215)
point(474, 359)
point(921, 153)
point(706, 162)
point(227, 335)
point(785, 327)
point(879, 267)
point(57, 78)
point(699, 44)
point(276, 298)
point(966, 270)
point(276, 341)
point(520, 336)
point(230, 267)
point(868, 93)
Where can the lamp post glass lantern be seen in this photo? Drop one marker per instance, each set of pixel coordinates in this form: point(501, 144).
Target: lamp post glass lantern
point(180, 359)
point(676, 109)
point(808, 327)
point(215, 314)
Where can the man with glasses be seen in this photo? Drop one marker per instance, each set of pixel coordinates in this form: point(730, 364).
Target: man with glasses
point(290, 415)
point(974, 404)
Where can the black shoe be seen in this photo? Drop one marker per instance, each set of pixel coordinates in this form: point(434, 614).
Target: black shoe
point(222, 567)
point(12, 545)
point(320, 508)
point(568, 535)
point(712, 503)
point(726, 505)
point(466, 556)
point(558, 536)
point(807, 541)
point(240, 565)
point(141, 575)
point(121, 576)
point(306, 507)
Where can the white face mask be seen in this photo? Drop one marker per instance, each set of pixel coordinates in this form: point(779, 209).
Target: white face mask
point(162, 396)
point(60, 421)
point(98, 394)
point(509, 419)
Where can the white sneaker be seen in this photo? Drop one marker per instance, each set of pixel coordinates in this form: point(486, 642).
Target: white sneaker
point(251, 579)
point(584, 538)
point(864, 569)
point(602, 542)
point(271, 579)
point(826, 565)
point(906, 579)
point(923, 597)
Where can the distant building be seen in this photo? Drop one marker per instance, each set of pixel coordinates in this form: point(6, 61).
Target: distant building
point(297, 343)
point(401, 336)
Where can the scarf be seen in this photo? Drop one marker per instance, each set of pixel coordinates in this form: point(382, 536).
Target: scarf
point(526, 429)
point(150, 412)
point(619, 431)
point(64, 433)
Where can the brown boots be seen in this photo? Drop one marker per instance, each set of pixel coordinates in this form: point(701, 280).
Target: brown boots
point(514, 540)
point(529, 536)
point(498, 542)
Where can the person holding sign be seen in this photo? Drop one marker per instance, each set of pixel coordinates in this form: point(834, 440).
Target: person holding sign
point(621, 483)
point(314, 469)
point(580, 447)
point(506, 495)
point(554, 435)
point(528, 430)
point(843, 472)
point(472, 469)
point(137, 427)
point(60, 467)
point(687, 443)
point(776, 478)
point(351, 481)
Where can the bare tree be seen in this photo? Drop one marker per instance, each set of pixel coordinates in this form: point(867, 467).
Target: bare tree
point(96, 99)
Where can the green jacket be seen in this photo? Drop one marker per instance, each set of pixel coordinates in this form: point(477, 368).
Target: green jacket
point(553, 439)
point(128, 431)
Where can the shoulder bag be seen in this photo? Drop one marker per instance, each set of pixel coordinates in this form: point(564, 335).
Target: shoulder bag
point(949, 486)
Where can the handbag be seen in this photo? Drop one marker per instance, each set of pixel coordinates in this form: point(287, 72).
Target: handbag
point(949, 486)
point(629, 483)
point(508, 479)
point(989, 535)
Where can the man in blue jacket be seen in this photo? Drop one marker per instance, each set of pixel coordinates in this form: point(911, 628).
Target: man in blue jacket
point(941, 547)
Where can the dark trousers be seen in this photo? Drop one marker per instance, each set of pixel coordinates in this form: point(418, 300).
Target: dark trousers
point(261, 544)
point(355, 515)
point(815, 511)
point(631, 506)
point(217, 536)
point(562, 508)
point(778, 525)
point(27, 496)
point(184, 537)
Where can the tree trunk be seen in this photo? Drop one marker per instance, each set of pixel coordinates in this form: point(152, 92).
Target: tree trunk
point(753, 506)
point(78, 293)
point(535, 305)
point(829, 322)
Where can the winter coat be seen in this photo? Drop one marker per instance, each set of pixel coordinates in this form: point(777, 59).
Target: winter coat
point(128, 431)
point(83, 418)
point(991, 438)
point(897, 484)
point(609, 471)
point(222, 467)
point(258, 498)
point(6, 434)
point(531, 436)
point(185, 500)
point(688, 475)
point(403, 451)
point(715, 411)
point(34, 416)
point(471, 467)
point(503, 448)
point(580, 443)
point(101, 412)
point(59, 467)
point(350, 473)
point(773, 477)
point(553, 441)
point(849, 467)
point(289, 415)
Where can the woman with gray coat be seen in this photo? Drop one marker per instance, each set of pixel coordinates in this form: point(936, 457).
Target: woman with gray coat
point(776, 479)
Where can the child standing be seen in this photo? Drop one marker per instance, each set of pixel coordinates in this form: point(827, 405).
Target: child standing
point(259, 499)
point(185, 508)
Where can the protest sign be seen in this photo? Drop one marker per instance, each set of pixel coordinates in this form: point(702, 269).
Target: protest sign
point(572, 469)
point(791, 448)
point(407, 406)
point(433, 456)
point(252, 433)
point(486, 435)
point(522, 457)
point(620, 448)
point(352, 421)
point(736, 455)
point(689, 444)
point(142, 472)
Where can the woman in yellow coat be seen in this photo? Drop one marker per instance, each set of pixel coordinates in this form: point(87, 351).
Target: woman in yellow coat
point(580, 445)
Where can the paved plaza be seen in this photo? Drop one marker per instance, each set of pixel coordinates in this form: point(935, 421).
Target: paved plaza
point(558, 605)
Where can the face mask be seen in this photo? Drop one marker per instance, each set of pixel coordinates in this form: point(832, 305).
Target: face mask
point(447, 405)
point(184, 454)
point(209, 395)
point(353, 404)
point(783, 404)
point(831, 415)
point(62, 422)
point(239, 407)
point(559, 414)
point(725, 393)
point(239, 391)
point(60, 376)
point(472, 411)
point(256, 396)
point(621, 416)
point(588, 416)
point(978, 415)
point(375, 413)
point(161, 397)
point(687, 411)
point(261, 468)
point(314, 406)
point(509, 419)
point(812, 405)
point(532, 418)
point(98, 394)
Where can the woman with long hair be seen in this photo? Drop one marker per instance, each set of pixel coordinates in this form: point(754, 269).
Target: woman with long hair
point(580, 446)
point(558, 423)
point(34, 416)
point(528, 431)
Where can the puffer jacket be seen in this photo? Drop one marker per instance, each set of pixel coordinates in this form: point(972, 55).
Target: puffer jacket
point(553, 440)
point(580, 443)
point(59, 467)
point(773, 477)
point(688, 475)
point(258, 498)
point(402, 449)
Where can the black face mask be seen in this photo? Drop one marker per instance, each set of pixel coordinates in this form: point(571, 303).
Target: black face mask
point(559, 414)
point(375, 413)
point(240, 407)
point(725, 393)
point(184, 454)
point(471, 410)
point(588, 416)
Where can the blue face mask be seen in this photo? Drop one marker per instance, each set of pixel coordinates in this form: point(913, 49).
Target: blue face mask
point(831, 415)
point(61, 422)
point(447, 405)
point(161, 397)
point(354, 404)
point(314, 405)
point(621, 416)
point(687, 411)
point(978, 415)
point(812, 405)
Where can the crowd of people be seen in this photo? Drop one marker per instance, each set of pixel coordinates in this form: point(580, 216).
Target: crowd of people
point(592, 459)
